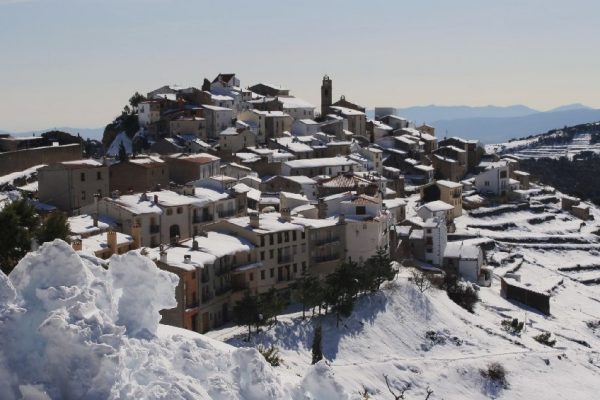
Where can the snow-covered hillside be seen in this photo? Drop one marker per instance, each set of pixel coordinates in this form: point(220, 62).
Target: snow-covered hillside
point(70, 328)
point(387, 333)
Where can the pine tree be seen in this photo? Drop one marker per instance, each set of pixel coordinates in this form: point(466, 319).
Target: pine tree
point(18, 226)
point(56, 226)
point(245, 312)
point(317, 346)
point(123, 157)
point(306, 292)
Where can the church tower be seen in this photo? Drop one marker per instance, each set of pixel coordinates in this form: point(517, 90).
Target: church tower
point(326, 95)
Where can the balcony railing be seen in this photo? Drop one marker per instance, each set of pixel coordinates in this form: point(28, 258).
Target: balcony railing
point(226, 213)
point(198, 219)
point(328, 258)
point(284, 259)
point(323, 242)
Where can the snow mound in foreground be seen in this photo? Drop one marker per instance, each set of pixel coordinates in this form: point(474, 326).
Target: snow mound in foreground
point(71, 328)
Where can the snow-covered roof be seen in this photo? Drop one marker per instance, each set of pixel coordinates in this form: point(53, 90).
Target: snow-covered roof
point(88, 162)
point(301, 179)
point(99, 242)
point(437, 205)
point(320, 162)
point(462, 250)
point(268, 223)
point(216, 108)
point(449, 184)
point(347, 111)
point(294, 102)
point(84, 224)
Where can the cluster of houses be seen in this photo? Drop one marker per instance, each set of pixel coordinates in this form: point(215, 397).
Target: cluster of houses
point(245, 190)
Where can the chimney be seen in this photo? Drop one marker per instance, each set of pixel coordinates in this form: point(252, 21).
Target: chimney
point(155, 199)
point(163, 256)
point(254, 219)
point(136, 233)
point(286, 214)
point(95, 219)
point(115, 194)
point(144, 197)
point(195, 245)
point(76, 244)
point(111, 239)
point(187, 259)
point(341, 219)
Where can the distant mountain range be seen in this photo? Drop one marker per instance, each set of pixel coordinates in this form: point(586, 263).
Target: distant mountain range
point(86, 133)
point(490, 124)
point(493, 124)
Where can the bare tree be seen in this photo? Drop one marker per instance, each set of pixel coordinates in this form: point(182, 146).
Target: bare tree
point(400, 394)
point(421, 281)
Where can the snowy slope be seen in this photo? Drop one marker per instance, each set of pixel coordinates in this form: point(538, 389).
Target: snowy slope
point(386, 335)
point(71, 328)
point(113, 149)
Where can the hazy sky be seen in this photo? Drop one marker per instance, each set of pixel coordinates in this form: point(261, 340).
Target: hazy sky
point(76, 62)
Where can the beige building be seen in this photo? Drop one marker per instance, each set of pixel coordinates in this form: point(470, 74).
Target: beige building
point(281, 248)
point(267, 125)
point(166, 216)
point(71, 185)
point(357, 120)
point(184, 168)
point(232, 140)
point(447, 191)
point(188, 125)
point(104, 245)
point(204, 266)
point(139, 174)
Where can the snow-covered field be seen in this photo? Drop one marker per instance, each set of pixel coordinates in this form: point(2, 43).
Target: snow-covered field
point(528, 148)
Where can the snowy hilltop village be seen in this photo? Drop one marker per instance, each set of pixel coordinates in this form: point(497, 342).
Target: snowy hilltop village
point(224, 242)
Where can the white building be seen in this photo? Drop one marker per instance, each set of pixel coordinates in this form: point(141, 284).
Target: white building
point(217, 119)
point(465, 259)
point(494, 180)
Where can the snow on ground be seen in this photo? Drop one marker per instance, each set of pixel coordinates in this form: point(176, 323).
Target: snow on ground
point(73, 326)
point(386, 334)
point(121, 138)
point(529, 148)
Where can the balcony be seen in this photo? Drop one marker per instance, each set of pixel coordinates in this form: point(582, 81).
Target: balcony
point(328, 258)
point(198, 219)
point(285, 259)
point(154, 229)
point(327, 241)
point(226, 213)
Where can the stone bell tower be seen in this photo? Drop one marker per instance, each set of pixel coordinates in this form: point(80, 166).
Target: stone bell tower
point(326, 95)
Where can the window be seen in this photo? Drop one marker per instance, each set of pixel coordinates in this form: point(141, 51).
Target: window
point(179, 210)
point(294, 236)
point(272, 273)
point(99, 175)
point(295, 268)
point(271, 238)
point(83, 195)
point(302, 235)
point(487, 183)
point(271, 253)
point(278, 237)
point(361, 210)
point(169, 211)
point(303, 266)
point(262, 256)
point(83, 177)
point(251, 276)
point(286, 236)
point(262, 275)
